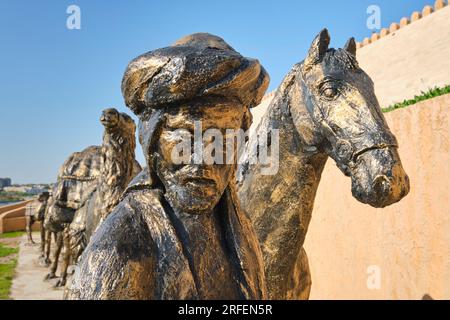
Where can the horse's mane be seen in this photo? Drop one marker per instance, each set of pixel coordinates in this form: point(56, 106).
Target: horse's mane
point(340, 58)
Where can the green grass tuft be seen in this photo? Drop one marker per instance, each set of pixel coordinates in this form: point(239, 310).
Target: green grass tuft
point(432, 93)
point(14, 234)
point(6, 251)
point(8, 264)
point(6, 277)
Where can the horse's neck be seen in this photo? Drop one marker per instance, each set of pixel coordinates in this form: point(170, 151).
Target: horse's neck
point(280, 205)
point(297, 152)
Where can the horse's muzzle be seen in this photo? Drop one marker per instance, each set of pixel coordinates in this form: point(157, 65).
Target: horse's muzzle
point(379, 178)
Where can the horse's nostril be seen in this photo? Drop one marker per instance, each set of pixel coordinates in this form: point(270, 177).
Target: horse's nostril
point(405, 187)
point(382, 186)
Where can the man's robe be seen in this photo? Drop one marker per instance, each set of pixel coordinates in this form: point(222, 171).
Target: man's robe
point(138, 253)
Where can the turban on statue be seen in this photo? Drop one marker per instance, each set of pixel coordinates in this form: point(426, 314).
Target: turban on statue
point(198, 65)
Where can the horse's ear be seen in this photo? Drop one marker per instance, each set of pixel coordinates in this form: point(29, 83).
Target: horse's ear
point(318, 49)
point(350, 46)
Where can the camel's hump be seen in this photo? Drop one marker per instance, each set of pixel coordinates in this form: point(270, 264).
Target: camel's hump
point(84, 164)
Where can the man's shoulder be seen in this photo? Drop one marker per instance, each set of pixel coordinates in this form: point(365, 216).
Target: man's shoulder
point(118, 251)
point(127, 224)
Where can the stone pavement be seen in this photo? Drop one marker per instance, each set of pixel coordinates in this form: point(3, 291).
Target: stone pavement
point(28, 282)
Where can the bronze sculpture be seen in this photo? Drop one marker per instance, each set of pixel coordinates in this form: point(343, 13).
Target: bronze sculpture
point(45, 257)
point(40, 216)
point(29, 220)
point(179, 232)
point(118, 167)
point(35, 211)
point(76, 182)
point(48, 242)
point(325, 107)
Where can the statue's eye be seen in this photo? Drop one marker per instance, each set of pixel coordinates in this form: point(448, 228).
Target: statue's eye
point(329, 92)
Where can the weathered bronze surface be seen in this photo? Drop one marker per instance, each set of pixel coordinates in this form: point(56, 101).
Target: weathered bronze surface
point(118, 167)
point(325, 107)
point(47, 246)
point(35, 211)
point(89, 185)
point(76, 182)
point(179, 232)
point(40, 216)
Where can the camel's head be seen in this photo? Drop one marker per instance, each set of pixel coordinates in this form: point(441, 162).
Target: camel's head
point(114, 120)
point(43, 196)
point(110, 118)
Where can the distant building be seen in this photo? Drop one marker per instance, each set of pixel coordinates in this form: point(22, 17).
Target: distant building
point(30, 189)
point(36, 190)
point(5, 182)
point(15, 189)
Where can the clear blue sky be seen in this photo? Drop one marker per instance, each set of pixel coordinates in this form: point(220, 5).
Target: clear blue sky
point(54, 82)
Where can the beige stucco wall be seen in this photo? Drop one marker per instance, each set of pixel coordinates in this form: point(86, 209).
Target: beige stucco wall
point(410, 60)
point(14, 206)
point(12, 218)
point(408, 241)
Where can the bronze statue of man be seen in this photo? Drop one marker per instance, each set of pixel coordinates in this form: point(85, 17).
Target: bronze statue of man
point(178, 232)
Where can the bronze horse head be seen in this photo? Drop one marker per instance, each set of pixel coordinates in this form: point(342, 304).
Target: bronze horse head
point(351, 128)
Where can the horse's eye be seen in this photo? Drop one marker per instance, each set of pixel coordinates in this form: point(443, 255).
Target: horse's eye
point(329, 92)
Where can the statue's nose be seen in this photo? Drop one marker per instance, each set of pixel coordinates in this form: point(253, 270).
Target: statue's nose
point(389, 190)
point(382, 186)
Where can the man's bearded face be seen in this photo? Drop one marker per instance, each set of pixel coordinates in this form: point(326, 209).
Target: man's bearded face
point(194, 186)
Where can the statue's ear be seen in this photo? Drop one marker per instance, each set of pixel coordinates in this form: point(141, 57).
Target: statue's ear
point(350, 46)
point(318, 49)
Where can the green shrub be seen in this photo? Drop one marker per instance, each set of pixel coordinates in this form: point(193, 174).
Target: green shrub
point(12, 196)
point(432, 93)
